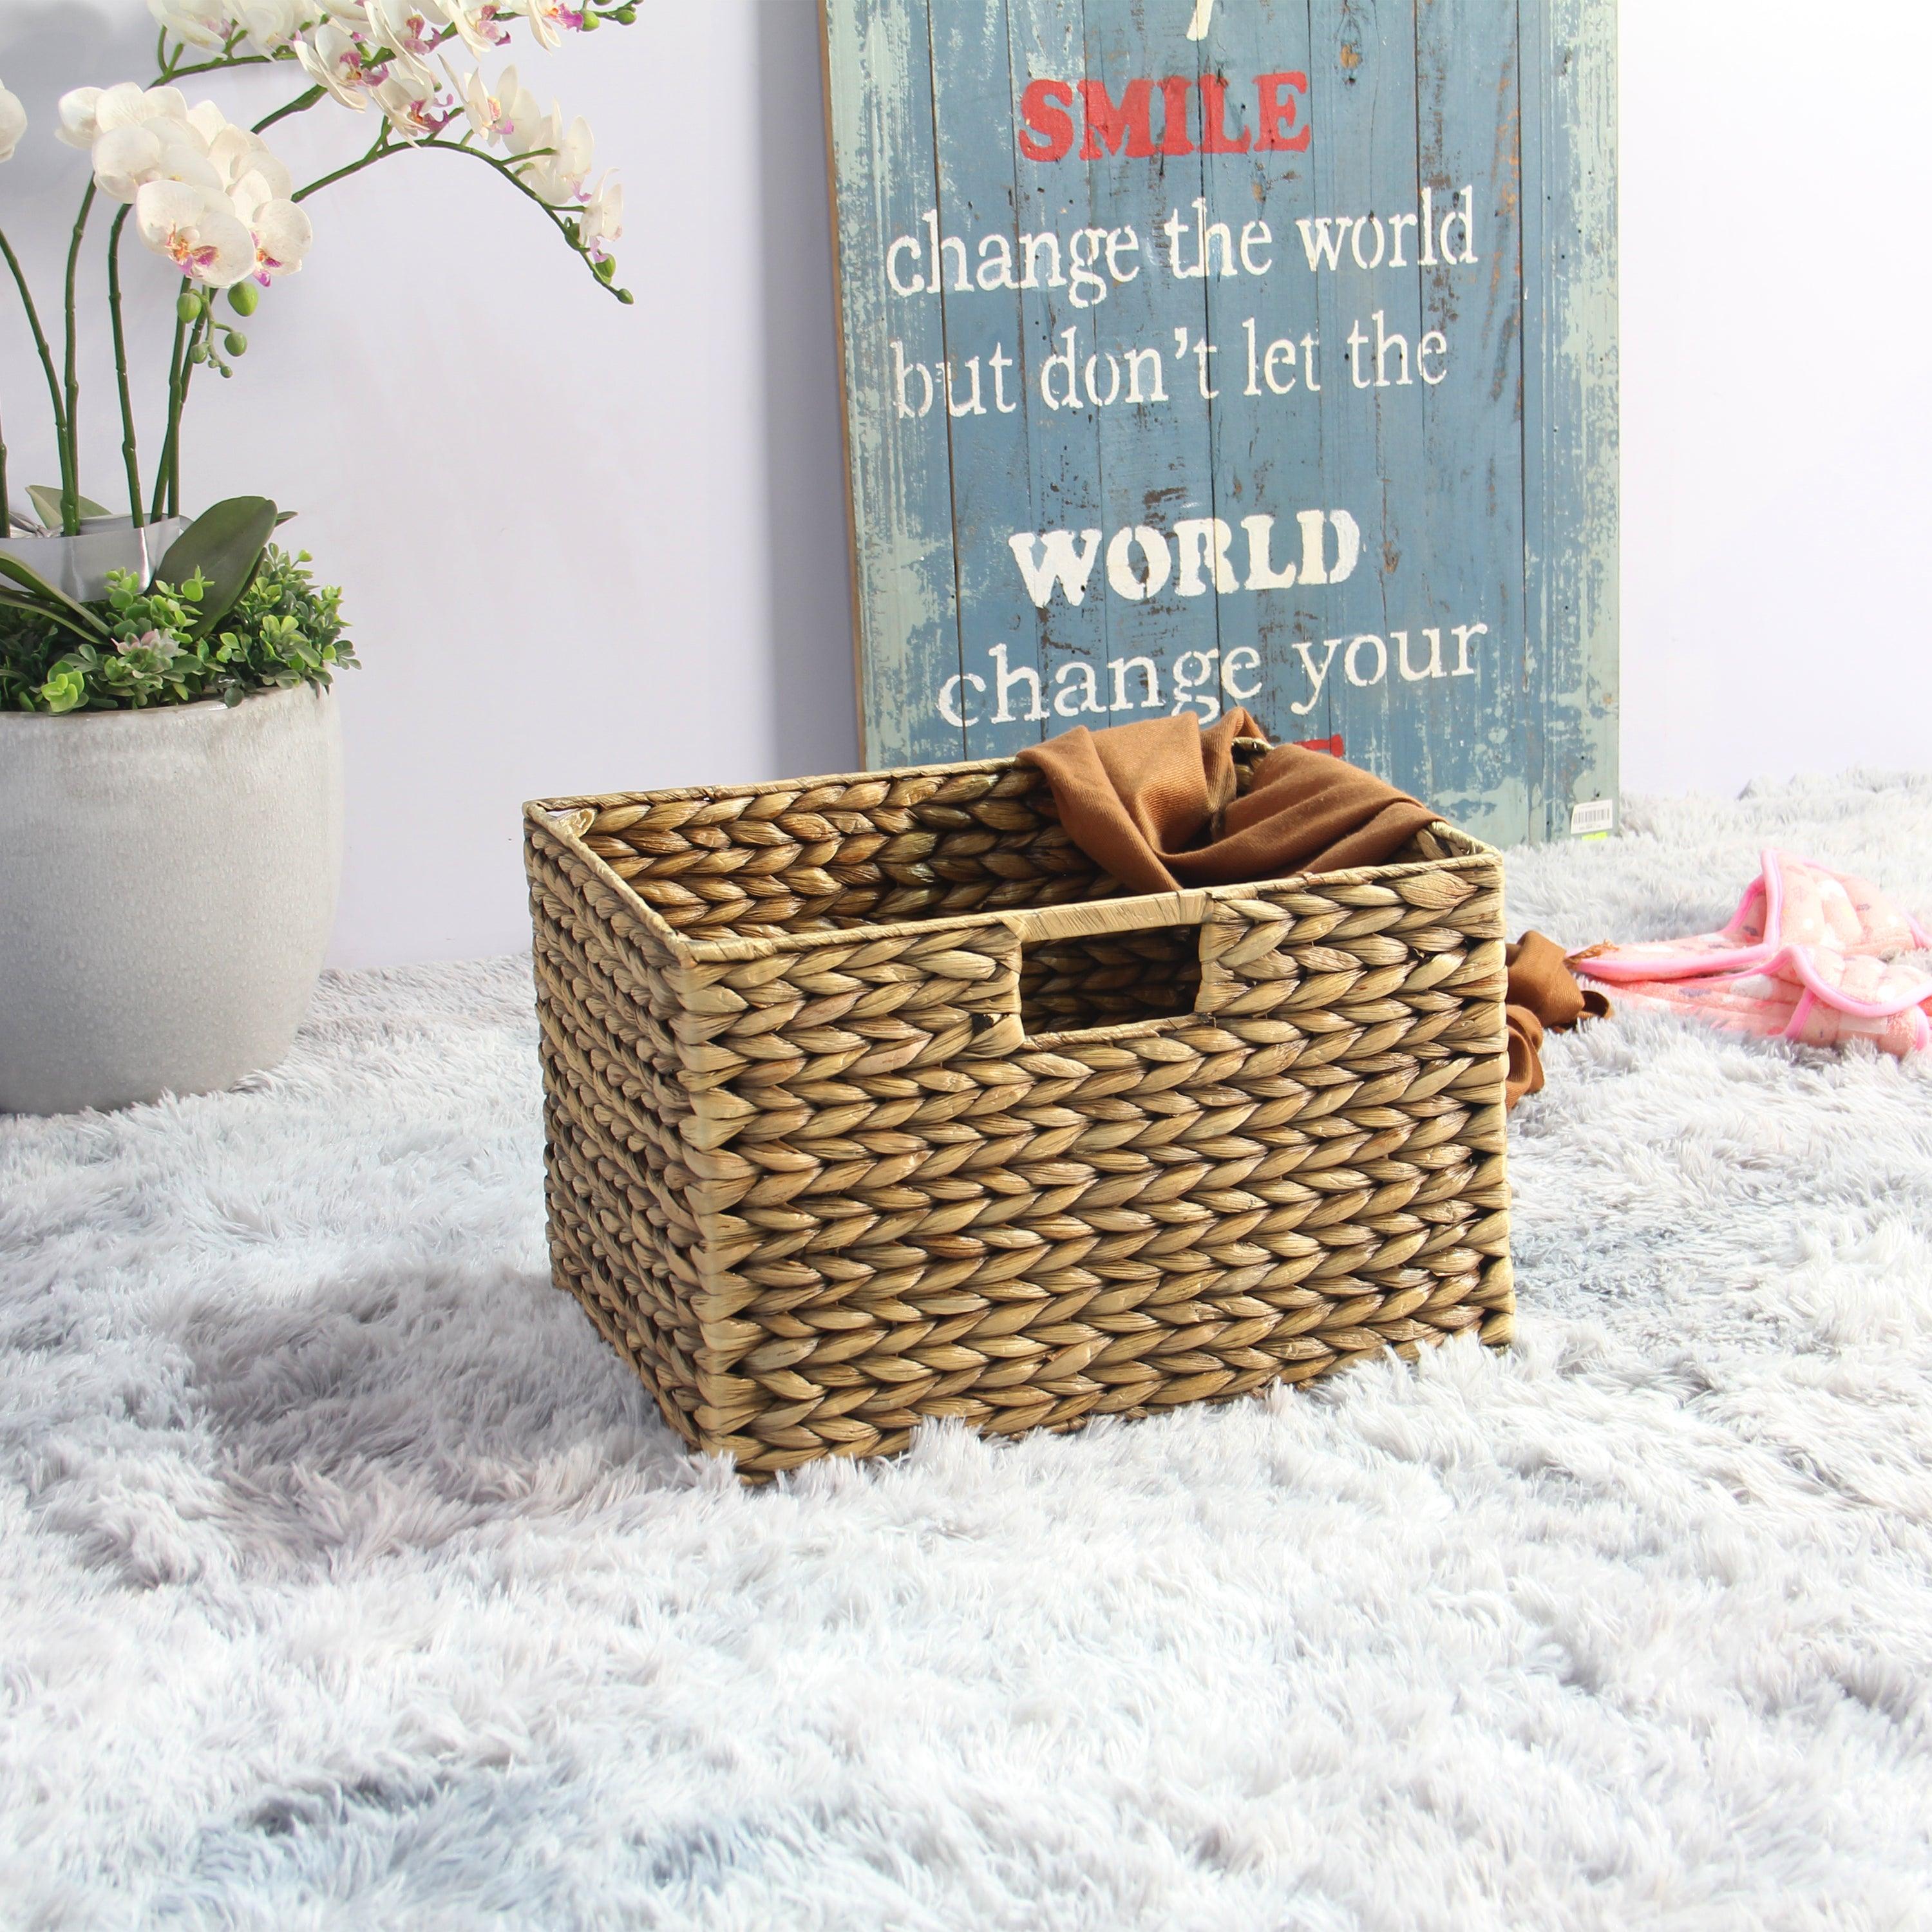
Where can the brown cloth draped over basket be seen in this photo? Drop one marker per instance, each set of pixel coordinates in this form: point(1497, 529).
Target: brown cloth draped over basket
point(1155, 802)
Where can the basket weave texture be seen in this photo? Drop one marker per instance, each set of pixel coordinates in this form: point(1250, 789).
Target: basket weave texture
point(869, 1099)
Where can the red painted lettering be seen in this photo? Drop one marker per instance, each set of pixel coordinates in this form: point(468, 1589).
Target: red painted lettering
point(1278, 115)
point(1125, 126)
point(1044, 118)
point(1214, 136)
point(1131, 121)
point(1174, 91)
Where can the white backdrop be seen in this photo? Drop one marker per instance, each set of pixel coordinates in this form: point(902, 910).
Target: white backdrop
point(588, 547)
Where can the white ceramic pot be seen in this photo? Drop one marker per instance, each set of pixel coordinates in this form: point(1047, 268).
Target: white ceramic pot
point(167, 884)
point(78, 566)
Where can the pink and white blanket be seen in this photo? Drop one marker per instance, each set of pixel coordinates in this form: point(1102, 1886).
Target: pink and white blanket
point(1810, 955)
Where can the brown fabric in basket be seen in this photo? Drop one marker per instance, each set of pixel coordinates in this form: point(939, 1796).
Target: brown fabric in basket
point(1155, 802)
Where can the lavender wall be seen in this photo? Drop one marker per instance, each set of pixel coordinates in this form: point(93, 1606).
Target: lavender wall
point(591, 548)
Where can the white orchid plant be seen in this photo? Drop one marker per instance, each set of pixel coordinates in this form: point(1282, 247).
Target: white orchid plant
point(210, 197)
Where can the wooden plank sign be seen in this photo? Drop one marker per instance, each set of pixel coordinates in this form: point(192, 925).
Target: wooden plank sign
point(1207, 352)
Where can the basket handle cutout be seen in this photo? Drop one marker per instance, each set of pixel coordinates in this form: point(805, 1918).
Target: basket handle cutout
point(1133, 995)
point(1095, 918)
point(1241, 945)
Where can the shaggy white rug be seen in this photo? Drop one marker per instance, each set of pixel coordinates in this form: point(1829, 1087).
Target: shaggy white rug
point(349, 1580)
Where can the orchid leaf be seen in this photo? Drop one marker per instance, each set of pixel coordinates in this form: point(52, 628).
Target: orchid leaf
point(51, 614)
point(225, 544)
point(47, 501)
point(52, 604)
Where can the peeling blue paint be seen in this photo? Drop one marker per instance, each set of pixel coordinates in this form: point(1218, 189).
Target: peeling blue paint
point(1470, 654)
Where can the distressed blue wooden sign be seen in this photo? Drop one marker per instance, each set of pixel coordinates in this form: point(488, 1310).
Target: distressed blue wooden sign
point(1200, 353)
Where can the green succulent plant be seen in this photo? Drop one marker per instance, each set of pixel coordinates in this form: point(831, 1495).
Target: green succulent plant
point(226, 613)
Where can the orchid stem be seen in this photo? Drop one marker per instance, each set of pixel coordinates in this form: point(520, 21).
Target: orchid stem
point(129, 454)
point(200, 333)
point(378, 149)
point(70, 485)
point(165, 466)
point(6, 514)
point(301, 103)
point(221, 66)
point(46, 359)
point(436, 146)
point(227, 58)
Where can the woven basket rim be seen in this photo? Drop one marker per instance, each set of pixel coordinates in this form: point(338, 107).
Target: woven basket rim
point(1127, 912)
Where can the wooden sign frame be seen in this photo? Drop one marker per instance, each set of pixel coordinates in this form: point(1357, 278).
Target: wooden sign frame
point(1205, 352)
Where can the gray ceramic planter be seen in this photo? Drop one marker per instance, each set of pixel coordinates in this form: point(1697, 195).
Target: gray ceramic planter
point(167, 884)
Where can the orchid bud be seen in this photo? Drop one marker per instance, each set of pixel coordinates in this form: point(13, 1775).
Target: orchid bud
point(235, 343)
point(187, 305)
point(243, 297)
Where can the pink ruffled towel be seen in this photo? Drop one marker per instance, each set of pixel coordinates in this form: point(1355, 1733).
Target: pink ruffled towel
point(1810, 955)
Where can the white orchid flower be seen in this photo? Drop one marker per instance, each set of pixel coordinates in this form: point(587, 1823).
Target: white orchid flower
point(201, 23)
point(601, 223)
point(13, 123)
point(559, 176)
point(496, 112)
point(386, 32)
point(126, 104)
point(551, 19)
point(574, 152)
point(333, 60)
point(280, 233)
point(236, 151)
point(529, 132)
point(544, 29)
point(207, 120)
point(483, 109)
point(415, 110)
point(86, 113)
point(478, 23)
point(126, 159)
point(351, 14)
point(274, 24)
point(404, 27)
point(198, 232)
point(78, 112)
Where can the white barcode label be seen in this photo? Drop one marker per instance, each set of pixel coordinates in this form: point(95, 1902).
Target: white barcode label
point(1592, 815)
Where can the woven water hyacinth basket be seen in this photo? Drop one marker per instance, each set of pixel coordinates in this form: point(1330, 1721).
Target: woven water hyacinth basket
point(869, 1099)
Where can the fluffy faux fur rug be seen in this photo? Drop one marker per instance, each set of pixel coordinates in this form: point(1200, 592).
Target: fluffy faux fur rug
point(349, 1580)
